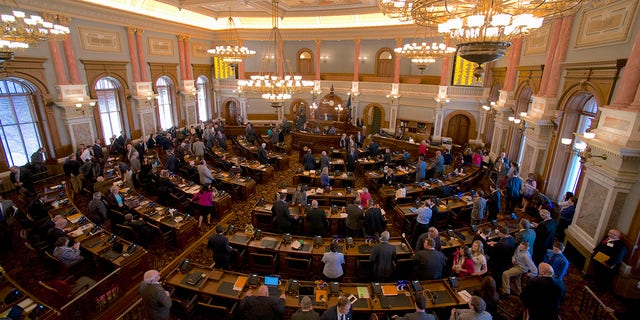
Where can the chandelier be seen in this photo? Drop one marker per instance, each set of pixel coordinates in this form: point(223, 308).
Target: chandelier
point(425, 51)
point(18, 31)
point(230, 49)
point(276, 81)
point(482, 29)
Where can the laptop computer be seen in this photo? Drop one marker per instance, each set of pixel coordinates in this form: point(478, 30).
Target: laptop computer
point(308, 291)
point(272, 283)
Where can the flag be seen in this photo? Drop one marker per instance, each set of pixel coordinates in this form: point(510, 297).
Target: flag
point(349, 108)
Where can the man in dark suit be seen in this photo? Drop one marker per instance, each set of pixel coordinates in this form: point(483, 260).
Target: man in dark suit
point(21, 178)
point(355, 217)
point(500, 252)
point(493, 203)
point(542, 295)
point(359, 138)
point(262, 154)
point(262, 306)
point(141, 147)
point(97, 150)
point(317, 219)
point(545, 233)
point(373, 148)
point(308, 161)
point(607, 256)
point(352, 157)
point(429, 262)
point(420, 314)
point(341, 311)
point(155, 300)
point(219, 244)
point(325, 161)
point(383, 256)
point(172, 161)
point(283, 218)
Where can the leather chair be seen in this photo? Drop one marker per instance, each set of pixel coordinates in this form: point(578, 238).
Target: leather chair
point(263, 263)
point(298, 267)
point(364, 269)
point(210, 310)
point(165, 236)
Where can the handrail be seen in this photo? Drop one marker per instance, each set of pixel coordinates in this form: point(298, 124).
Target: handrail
point(600, 312)
point(91, 288)
point(133, 305)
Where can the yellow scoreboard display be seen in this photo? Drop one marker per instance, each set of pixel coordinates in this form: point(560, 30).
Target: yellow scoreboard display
point(463, 73)
point(222, 70)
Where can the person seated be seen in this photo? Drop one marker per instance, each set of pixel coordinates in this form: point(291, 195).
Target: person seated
point(419, 314)
point(306, 310)
point(476, 311)
point(59, 230)
point(67, 255)
point(115, 200)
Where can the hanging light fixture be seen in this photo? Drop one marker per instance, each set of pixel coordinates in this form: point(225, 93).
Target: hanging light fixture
point(427, 48)
point(18, 31)
point(276, 81)
point(482, 29)
point(230, 48)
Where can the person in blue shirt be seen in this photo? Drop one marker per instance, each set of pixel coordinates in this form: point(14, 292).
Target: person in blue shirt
point(566, 216)
point(421, 169)
point(438, 165)
point(513, 195)
point(373, 148)
point(557, 260)
point(324, 177)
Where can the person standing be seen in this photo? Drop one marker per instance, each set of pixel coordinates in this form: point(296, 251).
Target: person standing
point(557, 260)
point(525, 234)
point(479, 207)
point(204, 173)
point(156, 301)
point(514, 197)
point(494, 203)
point(522, 264)
point(541, 296)
point(383, 257)
point(219, 245)
point(198, 148)
point(355, 217)
point(423, 217)
point(333, 261)
point(566, 216)
point(262, 154)
point(281, 214)
point(500, 252)
point(421, 169)
point(545, 233)
point(429, 262)
point(204, 202)
point(374, 223)
point(317, 219)
point(71, 168)
point(308, 161)
point(607, 256)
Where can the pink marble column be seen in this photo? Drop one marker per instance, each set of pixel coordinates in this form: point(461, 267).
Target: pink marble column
point(58, 63)
point(144, 76)
point(512, 67)
point(133, 55)
point(548, 64)
point(561, 52)
point(70, 57)
point(444, 72)
point(356, 61)
point(183, 67)
point(630, 78)
point(396, 69)
point(635, 105)
point(240, 65)
point(317, 61)
point(187, 59)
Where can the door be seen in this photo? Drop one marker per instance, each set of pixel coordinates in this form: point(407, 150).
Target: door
point(231, 113)
point(458, 129)
point(376, 120)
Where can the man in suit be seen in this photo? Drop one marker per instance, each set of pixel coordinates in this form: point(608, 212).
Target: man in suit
point(171, 161)
point(341, 311)
point(262, 154)
point(250, 134)
point(352, 157)
point(359, 138)
point(219, 244)
point(479, 207)
point(204, 173)
point(493, 203)
point(7, 211)
point(607, 256)
point(198, 148)
point(21, 178)
point(383, 256)
point(419, 314)
point(262, 306)
point(324, 160)
point(373, 148)
point(500, 252)
point(545, 233)
point(37, 160)
point(355, 217)
point(541, 296)
point(156, 301)
point(141, 147)
point(283, 218)
point(429, 262)
point(308, 161)
point(317, 219)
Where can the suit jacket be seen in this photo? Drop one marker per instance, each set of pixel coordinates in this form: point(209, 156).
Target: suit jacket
point(262, 155)
point(219, 244)
point(616, 250)
point(417, 316)
point(284, 220)
point(309, 161)
point(263, 308)
point(501, 253)
point(383, 255)
point(156, 304)
point(545, 233)
point(318, 222)
point(493, 204)
point(332, 314)
point(172, 163)
point(429, 264)
point(542, 298)
point(354, 217)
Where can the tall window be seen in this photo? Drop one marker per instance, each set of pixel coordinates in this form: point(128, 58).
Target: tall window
point(165, 102)
point(109, 107)
point(202, 96)
point(18, 122)
point(574, 167)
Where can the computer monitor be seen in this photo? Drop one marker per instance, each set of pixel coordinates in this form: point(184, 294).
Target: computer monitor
point(306, 291)
point(271, 281)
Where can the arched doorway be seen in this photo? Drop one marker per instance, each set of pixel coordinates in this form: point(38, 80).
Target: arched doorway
point(231, 112)
point(385, 62)
point(458, 129)
point(373, 118)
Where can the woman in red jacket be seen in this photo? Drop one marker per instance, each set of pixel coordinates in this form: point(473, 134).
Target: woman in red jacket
point(463, 262)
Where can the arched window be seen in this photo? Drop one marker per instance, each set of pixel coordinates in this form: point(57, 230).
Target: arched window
point(305, 61)
point(202, 84)
point(586, 116)
point(109, 107)
point(164, 85)
point(18, 122)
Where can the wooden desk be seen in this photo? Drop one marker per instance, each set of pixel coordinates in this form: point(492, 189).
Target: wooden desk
point(399, 145)
point(248, 186)
point(185, 230)
point(313, 179)
point(324, 197)
point(261, 218)
point(317, 142)
point(221, 202)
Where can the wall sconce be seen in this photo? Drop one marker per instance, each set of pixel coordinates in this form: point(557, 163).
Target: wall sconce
point(581, 149)
point(442, 101)
point(521, 123)
point(81, 105)
point(362, 59)
point(324, 59)
point(339, 109)
point(353, 93)
point(491, 112)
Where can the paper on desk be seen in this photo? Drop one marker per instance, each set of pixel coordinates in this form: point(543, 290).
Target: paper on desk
point(76, 233)
point(465, 295)
point(363, 293)
point(75, 218)
point(240, 282)
point(343, 215)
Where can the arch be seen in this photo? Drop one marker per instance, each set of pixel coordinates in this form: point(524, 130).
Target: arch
point(203, 98)
point(294, 108)
point(494, 95)
point(230, 111)
point(472, 122)
point(559, 158)
point(119, 100)
point(166, 110)
point(304, 61)
point(385, 62)
point(367, 114)
point(522, 103)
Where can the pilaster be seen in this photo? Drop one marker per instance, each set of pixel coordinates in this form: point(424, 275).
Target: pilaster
point(145, 106)
point(188, 94)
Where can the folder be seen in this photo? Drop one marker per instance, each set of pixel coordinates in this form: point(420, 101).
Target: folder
point(601, 257)
point(240, 282)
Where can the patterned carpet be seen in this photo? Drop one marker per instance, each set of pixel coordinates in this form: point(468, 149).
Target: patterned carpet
point(27, 268)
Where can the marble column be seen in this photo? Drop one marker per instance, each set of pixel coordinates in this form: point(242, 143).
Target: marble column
point(243, 107)
point(512, 68)
point(553, 44)
point(317, 61)
point(80, 124)
point(444, 72)
point(133, 54)
point(553, 85)
point(241, 67)
point(58, 63)
point(438, 124)
point(393, 115)
point(628, 84)
point(356, 61)
point(144, 75)
point(72, 64)
point(187, 59)
point(396, 69)
point(183, 67)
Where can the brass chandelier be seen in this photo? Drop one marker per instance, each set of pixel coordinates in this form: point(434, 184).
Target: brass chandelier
point(482, 29)
point(230, 49)
point(18, 31)
point(427, 48)
point(276, 81)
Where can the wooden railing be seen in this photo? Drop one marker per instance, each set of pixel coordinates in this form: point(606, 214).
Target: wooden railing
point(134, 312)
point(96, 299)
point(592, 308)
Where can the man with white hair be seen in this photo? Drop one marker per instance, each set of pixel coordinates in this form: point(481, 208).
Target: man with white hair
point(155, 300)
point(262, 154)
point(541, 296)
point(545, 233)
point(324, 160)
point(383, 256)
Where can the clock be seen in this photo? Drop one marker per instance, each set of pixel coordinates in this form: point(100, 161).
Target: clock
point(331, 103)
